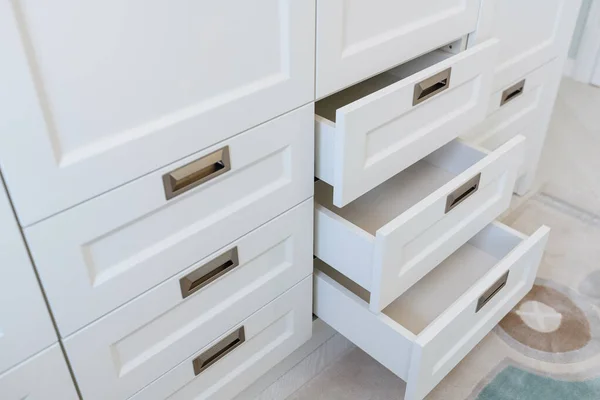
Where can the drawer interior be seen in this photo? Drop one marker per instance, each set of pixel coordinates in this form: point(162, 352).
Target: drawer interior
point(327, 107)
point(430, 297)
point(393, 197)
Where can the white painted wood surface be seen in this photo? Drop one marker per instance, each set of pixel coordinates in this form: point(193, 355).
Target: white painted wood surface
point(118, 355)
point(44, 376)
point(96, 95)
point(393, 236)
point(356, 40)
point(272, 333)
point(513, 118)
point(25, 325)
point(371, 131)
point(103, 253)
point(423, 334)
point(531, 33)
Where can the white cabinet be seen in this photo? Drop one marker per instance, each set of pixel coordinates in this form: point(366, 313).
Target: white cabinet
point(116, 356)
point(97, 94)
point(42, 377)
point(531, 33)
point(357, 39)
point(106, 251)
point(25, 325)
point(425, 332)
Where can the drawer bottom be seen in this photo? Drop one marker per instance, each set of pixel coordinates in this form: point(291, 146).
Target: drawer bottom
point(241, 355)
point(426, 331)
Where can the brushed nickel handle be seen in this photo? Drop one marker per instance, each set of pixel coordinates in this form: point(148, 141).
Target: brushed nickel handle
point(196, 173)
point(219, 350)
point(209, 272)
point(512, 92)
point(432, 86)
point(462, 193)
point(492, 291)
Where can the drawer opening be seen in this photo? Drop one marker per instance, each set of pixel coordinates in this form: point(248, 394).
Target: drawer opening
point(327, 107)
point(433, 295)
point(395, 196)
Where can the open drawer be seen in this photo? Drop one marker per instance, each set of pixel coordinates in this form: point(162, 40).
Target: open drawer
point(371, 131)
point(423, 334)
point(391, 237)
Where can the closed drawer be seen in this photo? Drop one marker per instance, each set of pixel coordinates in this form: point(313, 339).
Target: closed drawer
point(531, 33)
point(388, 239)
point(169, 79)
point(269, 335)
point(356, 40)
point(516, 107)
point(124, 351)
point(424, 333)
point(371, 131)
point(103, 253)
point(42, 377)
point(25, 324)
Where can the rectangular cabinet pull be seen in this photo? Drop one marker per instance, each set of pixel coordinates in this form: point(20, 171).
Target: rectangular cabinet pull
point(462, 193)
point(512, 92)
point(431, 86)
point(492, 291)
point(219, 350)
point(196, 173)
point(209, 272)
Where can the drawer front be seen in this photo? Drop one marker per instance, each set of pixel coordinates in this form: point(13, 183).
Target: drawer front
point(515, 107)
point(384, 133)
point(102, 253)
point(451, 337)
point(42, 377)
point(153, 99)
point(413, 244)
point(124, 351)
point(531, 33)
point(269, 335)
point(25, 325)
point(356, 40)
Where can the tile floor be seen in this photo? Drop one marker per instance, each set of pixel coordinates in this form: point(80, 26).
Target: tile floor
point(555, 351)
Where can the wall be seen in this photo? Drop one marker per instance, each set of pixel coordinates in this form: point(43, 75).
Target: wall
point(581, 20)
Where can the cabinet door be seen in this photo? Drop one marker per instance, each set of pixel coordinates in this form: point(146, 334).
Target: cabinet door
point(25, 326)
point(95, 94)
point(357, 39)
point(531, 33)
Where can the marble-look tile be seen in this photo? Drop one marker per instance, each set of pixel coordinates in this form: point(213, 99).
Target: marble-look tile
point(354, 376)
point(570, 162)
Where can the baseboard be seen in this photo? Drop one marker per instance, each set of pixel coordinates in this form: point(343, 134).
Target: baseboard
point(325, 346)
point(569, 67)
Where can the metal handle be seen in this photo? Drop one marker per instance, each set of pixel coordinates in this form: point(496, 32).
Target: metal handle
point(512, 92)
point(209, 272)
point(462, 193)
point(196, 173)
point(431, 86)
point(218, 351)
point(492, 291)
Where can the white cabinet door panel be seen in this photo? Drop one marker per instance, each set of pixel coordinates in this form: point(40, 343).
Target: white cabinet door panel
point(25, 325)
point(531, 33)
point(357, 39)
point(44, 376)
point(97, 94)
